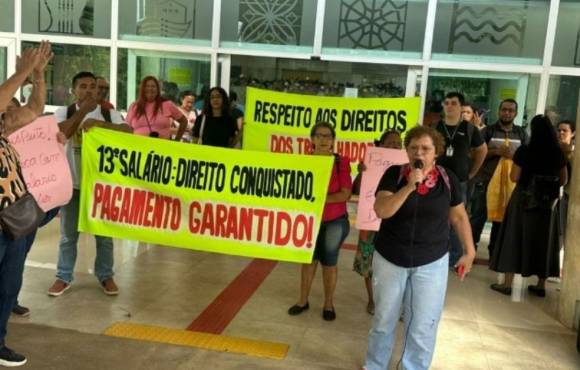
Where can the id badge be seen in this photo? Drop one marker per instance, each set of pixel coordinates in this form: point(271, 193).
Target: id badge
point(449, 151)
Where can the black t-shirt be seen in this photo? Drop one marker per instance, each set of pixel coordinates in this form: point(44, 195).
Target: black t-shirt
point(217, 131)
point(431, 238)
point(531, 167)
point(462, 138)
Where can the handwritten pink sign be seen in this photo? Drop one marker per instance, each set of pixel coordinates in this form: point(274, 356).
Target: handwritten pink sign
point(43, 161)
point(377, 160)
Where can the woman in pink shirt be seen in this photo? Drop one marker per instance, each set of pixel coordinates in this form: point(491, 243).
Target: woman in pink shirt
point(334, 226)
point(187, 100)
point(152, 115)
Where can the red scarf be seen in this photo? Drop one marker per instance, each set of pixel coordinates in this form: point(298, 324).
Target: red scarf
point(427, 184)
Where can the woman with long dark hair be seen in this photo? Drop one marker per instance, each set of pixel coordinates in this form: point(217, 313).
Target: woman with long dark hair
point(152, 115)
point(527, 242)
point(216, 126)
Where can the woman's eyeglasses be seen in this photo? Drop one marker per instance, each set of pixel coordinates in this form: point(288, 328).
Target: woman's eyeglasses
point(323, 136)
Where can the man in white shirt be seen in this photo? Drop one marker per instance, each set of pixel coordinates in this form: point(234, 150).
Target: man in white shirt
point(84, 114)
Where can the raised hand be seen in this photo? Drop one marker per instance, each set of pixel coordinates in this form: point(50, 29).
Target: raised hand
point(45, 54)
point(477, 119)
point(27, 61)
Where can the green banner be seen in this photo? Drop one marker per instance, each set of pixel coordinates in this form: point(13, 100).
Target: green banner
point(281, 122)
point(200, 197)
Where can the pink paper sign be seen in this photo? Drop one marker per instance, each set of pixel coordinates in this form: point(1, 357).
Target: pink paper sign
point(377, 160)
point(43, 161)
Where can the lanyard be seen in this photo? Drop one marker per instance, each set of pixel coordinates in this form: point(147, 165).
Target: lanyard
point(450, 137)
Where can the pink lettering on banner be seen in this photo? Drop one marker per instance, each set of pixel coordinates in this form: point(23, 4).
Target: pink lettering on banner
point(43, 161)
point(377, 161)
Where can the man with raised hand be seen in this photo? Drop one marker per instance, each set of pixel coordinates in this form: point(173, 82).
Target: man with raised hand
point(80, 116)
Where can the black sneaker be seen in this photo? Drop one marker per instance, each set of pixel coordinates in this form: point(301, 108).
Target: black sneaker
point(21, 311)
point(9, 358)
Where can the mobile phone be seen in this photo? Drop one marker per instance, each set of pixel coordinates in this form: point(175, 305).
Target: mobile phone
point(460, 271)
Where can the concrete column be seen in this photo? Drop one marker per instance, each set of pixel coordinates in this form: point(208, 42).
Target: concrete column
point(569, 302)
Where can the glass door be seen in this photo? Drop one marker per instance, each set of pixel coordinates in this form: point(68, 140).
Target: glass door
point(7, 56)
point(485, 90)
point(3, 62)
point(176, 72)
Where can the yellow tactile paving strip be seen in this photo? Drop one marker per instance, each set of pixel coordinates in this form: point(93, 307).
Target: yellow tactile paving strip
point(221, 343)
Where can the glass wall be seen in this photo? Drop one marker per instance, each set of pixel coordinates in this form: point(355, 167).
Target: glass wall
point(178, 22)
point(379, 28)
point(176, 73)
point(317, 77)
point(268, 24)
point(485, 90)
point(505, 31)
point(7, 16)
point(564, 98)
point(171, 39)
point(87, 18)
point(69, 60)
point(567, 44)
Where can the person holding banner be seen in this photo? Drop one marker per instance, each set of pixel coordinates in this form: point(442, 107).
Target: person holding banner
point(84, 114)
point(216, 126)
point(14, 189)
point(363, 259)
point(334, 227)
point(417, 203)
point(152, 115)
point(27, 114)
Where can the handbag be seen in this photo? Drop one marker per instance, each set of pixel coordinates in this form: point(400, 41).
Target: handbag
point(21, 217)
point(542, 192)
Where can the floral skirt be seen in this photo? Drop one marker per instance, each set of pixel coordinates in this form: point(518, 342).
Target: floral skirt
point(363, 259)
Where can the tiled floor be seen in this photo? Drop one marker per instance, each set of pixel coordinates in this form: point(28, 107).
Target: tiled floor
point(170, 287)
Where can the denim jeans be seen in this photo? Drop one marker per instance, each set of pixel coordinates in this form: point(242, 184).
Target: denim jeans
point(478, 210)
point(12, 256)
point(422, 291)
point(29, 239)
point(455, 246)
point(330, 238)
point(69, 236)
